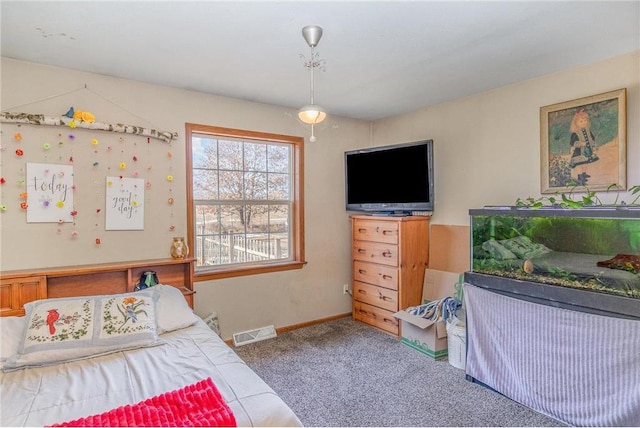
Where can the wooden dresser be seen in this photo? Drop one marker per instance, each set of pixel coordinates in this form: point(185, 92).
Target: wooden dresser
point(20, 287)
point(390, 255)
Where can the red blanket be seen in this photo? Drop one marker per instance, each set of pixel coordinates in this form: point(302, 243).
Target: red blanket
point(199, 404)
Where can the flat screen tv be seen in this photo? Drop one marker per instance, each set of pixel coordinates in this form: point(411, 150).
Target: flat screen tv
point(396, 179)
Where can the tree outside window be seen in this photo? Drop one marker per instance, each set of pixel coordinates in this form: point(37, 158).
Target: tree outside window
point(245, 201)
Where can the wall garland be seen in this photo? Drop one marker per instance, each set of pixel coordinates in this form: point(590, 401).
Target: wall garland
point(79, 120)
point(112, 160)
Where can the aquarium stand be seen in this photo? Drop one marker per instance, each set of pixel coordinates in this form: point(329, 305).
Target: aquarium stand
point(578, 367)
point(557, 296)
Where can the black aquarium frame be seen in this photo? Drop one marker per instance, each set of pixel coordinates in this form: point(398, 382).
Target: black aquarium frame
point(557, 296)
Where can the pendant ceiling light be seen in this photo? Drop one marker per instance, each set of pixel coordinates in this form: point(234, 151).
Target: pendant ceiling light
point(311, 113)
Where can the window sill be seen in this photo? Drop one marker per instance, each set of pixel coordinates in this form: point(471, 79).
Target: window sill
point(230, 272)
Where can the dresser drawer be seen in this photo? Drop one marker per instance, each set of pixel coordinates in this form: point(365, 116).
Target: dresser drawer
point(376, 296)
point(375, 252)
point(375, 274)
point(376, 317)
point(376, 231)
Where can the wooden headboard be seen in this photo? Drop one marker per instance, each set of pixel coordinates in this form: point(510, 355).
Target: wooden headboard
point(20, 287)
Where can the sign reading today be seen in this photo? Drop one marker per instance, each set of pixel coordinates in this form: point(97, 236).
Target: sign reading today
point(49, 189)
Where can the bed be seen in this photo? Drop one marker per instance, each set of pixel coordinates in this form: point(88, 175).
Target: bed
point(57, 385)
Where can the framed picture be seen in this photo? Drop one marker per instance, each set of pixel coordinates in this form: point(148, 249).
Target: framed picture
point(124, 201)
point(583, 144)
point(49, 193)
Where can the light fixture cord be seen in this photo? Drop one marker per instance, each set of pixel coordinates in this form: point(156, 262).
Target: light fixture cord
point(312, 65)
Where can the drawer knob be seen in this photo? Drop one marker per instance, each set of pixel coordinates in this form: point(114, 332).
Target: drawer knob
point(386, 253)
point(387, 277)
point(361, 251)
point(371, 314)
point(384, 298)
point(362, 271)
point(387, 232)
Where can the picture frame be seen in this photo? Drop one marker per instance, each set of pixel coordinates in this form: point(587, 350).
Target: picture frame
point(583, 144)
point(124, 203)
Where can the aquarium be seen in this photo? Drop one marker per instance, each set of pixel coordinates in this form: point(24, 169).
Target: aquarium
point(586, 259)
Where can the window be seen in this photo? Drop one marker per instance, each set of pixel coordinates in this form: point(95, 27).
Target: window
point(245, 194)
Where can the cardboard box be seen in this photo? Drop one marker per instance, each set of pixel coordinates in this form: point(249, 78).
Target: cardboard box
point(439, 284)
point(424, 335)
point(449, 248)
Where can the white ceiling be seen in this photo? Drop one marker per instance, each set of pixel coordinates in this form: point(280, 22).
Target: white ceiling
point(382, 58)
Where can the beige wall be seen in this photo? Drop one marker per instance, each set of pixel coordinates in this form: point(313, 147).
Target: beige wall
point(487, 146)
point(282, 299)
point(487, 150)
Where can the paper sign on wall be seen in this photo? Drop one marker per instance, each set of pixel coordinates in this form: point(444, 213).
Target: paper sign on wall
point(49, 189)
point(124, 204)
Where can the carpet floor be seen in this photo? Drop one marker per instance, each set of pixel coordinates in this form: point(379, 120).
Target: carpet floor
point(343, 373)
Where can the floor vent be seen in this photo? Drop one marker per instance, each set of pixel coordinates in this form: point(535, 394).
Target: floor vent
point(250, 336)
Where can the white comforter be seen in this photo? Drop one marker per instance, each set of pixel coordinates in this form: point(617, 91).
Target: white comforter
point(63, 392)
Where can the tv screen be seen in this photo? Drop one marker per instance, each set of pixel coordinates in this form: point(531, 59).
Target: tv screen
point(390, 179)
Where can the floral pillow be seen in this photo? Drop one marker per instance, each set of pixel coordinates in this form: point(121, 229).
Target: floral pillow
point(59, 330)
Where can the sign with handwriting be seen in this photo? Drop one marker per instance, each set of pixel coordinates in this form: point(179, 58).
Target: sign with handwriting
point(124, 203)
point(49, 193)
